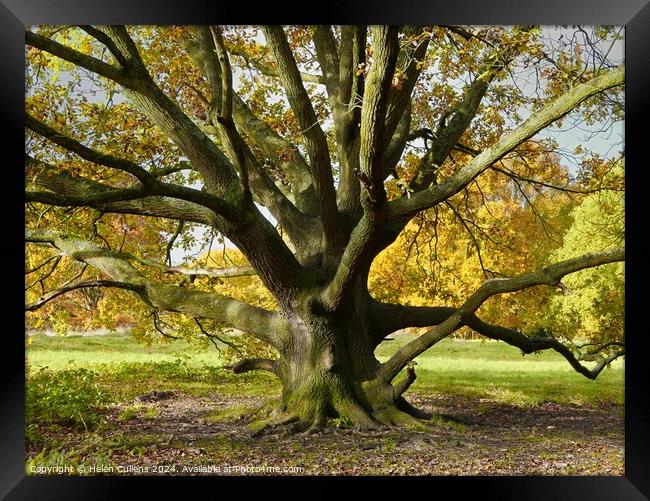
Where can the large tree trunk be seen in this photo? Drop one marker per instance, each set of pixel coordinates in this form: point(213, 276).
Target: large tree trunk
point(328, 369)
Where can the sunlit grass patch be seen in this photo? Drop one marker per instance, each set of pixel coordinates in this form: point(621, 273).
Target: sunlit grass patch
point(500, 372)
point(486, 369)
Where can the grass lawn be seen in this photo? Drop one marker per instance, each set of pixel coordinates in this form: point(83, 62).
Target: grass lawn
point(477, 368)
point(522, 415)
point(500, 371)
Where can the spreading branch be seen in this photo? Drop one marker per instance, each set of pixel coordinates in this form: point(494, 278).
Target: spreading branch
point(550, 276)
point(553, 111)
point(68, 190)
point(263, 324)
point(46, 298)
point(77, 58)
point(87, 153)
point(78, 191)
point(315, 138)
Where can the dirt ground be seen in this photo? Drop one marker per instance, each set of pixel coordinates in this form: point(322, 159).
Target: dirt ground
point(188, 435)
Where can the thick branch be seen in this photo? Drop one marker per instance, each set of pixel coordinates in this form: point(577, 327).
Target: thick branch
point(86, 153)
point(534, 344)
point(281, 152)
point(82, 60)
point(261, 323)
point(206, 271)
point(388, 318)
point(95, 200)
point(449, 135)
point(151, 101)
point(457, 118)
point(299, 228)
point(409, 67)
point(156, 206)
point(551, 112)
point(397, 143)
point(211, 272)
point(264, 249)
point(264, 189)
point(409, 378)
point(217, 171)
point(81, 192)
point(110, 45)
point(204, 55)
point(317, 148)
point(248, 229)
point(230, 137)
point(551, 276)
point(363, 245)
point(365, 239)
point(373, 111)
point(328, 58)
point(277, 149)
point(356, 257)
point(352, 60)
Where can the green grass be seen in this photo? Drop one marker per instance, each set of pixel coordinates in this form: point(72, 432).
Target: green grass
point(486, 369)
point(499, 372)
point(62, 352)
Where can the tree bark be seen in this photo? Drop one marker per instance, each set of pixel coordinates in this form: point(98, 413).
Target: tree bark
point(328, 370)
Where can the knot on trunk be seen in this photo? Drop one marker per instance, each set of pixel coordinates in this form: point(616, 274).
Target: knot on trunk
point(328, 358)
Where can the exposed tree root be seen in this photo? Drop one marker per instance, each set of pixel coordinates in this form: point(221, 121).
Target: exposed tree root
point(401, 414)
point(392, 416)
point(356, 415)
point(273, 422)
point(405, 406)
point(308, 405)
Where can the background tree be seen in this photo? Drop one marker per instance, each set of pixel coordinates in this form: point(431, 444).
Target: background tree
point(593, 303)
point(140, 139)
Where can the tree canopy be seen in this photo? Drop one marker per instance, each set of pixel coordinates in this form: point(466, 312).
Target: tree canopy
point(372, 179)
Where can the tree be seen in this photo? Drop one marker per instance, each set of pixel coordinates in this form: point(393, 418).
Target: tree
point(204, 126)
point(592, 305)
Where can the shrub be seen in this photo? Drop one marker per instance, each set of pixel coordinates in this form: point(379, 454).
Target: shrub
point(70, 398)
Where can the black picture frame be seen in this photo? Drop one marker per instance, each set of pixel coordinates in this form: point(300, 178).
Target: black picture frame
point(634, 14)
